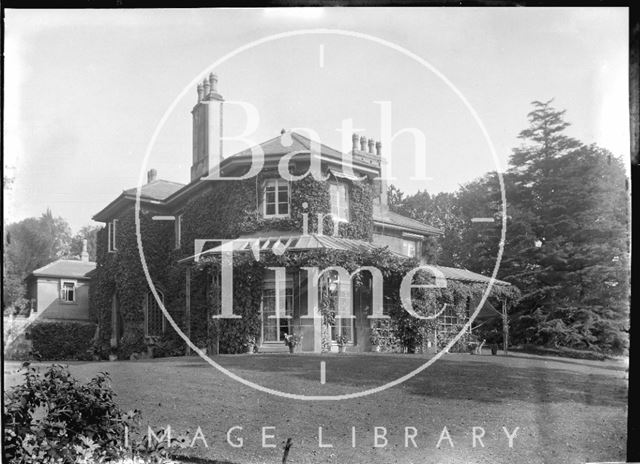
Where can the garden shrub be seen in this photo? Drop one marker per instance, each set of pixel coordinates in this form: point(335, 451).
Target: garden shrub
point(52, 418)
point(169, 345)
point(62, 340)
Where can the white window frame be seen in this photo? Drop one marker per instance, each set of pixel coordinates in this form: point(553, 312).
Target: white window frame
point(338, 324)
point(340, 321)
point(177, 231)
point(269, 283)
point(406, 244)
point(277, 183)
point(63, 292)
point(339, 212)
point(111, 236)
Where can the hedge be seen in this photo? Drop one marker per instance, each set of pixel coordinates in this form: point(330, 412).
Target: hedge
point(62, 340)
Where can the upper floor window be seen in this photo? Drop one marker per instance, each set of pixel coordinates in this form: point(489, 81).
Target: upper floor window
point(339, 201)
point(410, 248)
point(68, 291)
point(111, 235)
point(177, 228)
point(276, 198)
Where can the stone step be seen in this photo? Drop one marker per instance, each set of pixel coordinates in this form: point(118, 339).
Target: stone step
point(273, 348)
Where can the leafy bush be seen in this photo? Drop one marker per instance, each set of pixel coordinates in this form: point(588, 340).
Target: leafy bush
point(47, 416)
point(168, 346)
point(63, 340)
point(52, 418)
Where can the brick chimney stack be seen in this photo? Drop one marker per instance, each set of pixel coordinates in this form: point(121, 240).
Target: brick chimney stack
point(207, 128)
point(84, 256)
point(151, 175)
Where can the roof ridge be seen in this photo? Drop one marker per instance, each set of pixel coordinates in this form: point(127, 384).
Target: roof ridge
point(308, 145)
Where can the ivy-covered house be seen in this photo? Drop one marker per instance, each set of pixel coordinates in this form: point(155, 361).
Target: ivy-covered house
point(282, 228)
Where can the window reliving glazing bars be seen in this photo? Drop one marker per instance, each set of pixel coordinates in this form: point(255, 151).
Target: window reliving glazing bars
point(155, 322)
point(111, 235)
point(276, 198)
point(339, 201)
point(68, 291)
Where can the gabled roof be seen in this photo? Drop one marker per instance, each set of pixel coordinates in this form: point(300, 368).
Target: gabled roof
point(65, 268)
point(390, 219)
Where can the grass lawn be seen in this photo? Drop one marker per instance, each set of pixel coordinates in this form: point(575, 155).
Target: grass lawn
point(567, 410)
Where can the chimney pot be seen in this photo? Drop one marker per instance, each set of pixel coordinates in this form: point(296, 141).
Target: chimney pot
point(354, 140)
point(207, 88)
point(378, 148)
point(363, 143)
point(213, 82)
point(151, 175)
point(84, 256)
point(371, 146)
point(200, 92)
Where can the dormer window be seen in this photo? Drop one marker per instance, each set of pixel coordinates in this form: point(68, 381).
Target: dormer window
point(339, 196)
point(111, 236)
point(275, 202)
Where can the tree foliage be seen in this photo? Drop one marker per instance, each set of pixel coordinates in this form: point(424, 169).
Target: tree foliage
point(29, 245)
point(567, 242)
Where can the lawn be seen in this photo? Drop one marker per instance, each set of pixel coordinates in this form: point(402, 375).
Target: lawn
point(567, 410)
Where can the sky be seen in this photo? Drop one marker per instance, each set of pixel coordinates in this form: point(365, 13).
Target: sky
point(85, 90)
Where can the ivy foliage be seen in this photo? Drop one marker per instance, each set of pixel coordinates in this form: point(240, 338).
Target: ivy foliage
point(403, 331)
point(227, 210)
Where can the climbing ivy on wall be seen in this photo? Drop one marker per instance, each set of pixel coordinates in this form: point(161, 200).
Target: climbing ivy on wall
point(226, 210)
point(406, 331)
point(230, 209)
point(221, 210)
point(121, 274)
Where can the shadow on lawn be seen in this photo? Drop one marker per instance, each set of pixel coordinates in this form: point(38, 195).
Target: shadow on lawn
point(475, 380)
point(600, 365)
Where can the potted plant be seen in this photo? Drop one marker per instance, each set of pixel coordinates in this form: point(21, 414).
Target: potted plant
point(151, 342)
point(251, 345)
point(342, 340)
point(292, 341)
point(375, 339)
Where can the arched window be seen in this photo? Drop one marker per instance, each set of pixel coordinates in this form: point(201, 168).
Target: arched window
point(154, 319)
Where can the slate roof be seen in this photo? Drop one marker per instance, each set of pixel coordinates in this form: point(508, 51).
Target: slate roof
point(158, 189)
point(287, 143)
point(66, 268)
point(463, 275)
point(398, 220)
